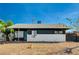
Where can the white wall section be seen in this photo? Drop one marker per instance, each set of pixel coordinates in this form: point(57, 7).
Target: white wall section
point(47, 37)
point(19, 34)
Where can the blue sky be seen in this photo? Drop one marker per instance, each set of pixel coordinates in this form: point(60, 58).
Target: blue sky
point(48, 13)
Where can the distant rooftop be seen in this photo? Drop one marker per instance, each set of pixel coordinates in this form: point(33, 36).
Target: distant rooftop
point(39, 26)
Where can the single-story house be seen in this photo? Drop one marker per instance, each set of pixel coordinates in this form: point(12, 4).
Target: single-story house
point(40, 32)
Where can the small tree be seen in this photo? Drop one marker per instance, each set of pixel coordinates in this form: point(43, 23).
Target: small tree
point(7, 32)
point(4, 29)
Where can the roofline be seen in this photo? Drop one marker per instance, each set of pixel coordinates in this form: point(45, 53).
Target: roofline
point(39, 28)
point(66, 27)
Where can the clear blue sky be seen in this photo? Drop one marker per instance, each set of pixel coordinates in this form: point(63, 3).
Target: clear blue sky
point(51, 13)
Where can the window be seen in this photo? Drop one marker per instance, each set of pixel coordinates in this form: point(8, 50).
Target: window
point(34, 33)
point(55, 32)
point(44, 31)
point(29, 31)
point(60, 32)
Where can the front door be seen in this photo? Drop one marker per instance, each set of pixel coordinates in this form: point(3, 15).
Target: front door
point(25, 35)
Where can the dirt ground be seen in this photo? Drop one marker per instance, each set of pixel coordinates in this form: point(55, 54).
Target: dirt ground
point(38, 48)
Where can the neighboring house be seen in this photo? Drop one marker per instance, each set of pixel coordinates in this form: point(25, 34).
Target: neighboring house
point(40, 32)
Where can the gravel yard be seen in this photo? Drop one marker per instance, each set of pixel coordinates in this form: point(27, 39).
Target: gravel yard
point(37, 48)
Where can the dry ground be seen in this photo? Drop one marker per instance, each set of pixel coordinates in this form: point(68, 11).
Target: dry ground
point(37, 48)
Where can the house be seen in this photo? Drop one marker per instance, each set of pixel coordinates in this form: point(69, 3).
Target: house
point(40, 32)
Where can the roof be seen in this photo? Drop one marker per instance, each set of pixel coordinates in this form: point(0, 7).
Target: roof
point(24, 26)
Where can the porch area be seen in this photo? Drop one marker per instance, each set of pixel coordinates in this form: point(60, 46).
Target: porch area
point(40, 35)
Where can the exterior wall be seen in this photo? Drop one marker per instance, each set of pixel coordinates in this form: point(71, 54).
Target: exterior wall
point(34, 37)
point(47, 38)
point(19, 34)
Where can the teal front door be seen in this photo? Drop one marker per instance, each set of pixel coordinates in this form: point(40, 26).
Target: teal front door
point(25, 35)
